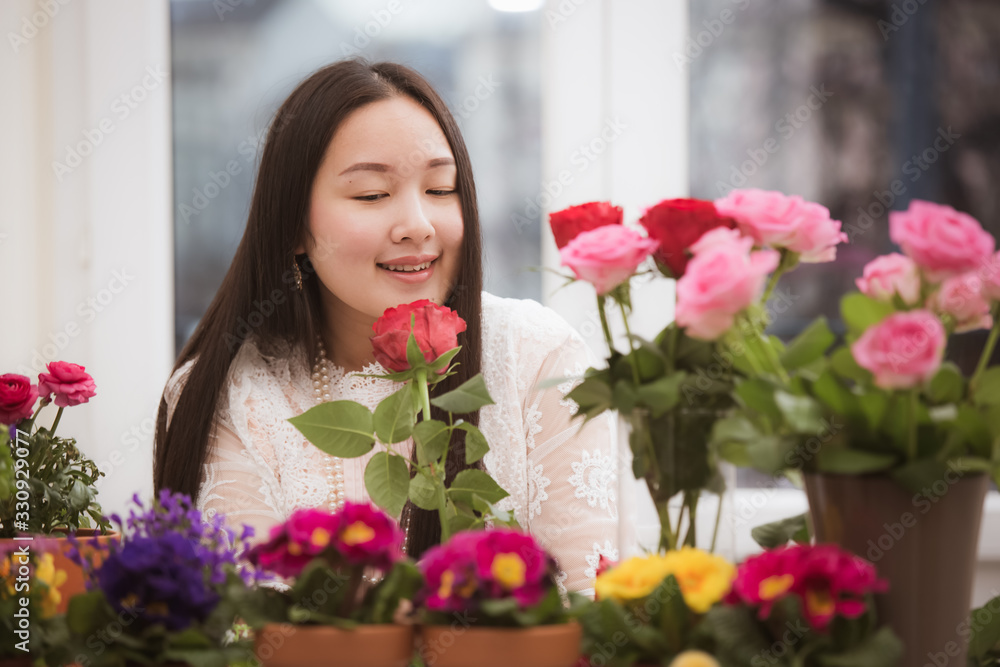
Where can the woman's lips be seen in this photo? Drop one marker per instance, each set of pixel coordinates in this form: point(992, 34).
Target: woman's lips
point(411, 277)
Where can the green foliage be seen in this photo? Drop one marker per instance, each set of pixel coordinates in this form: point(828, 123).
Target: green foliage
point(60, 483)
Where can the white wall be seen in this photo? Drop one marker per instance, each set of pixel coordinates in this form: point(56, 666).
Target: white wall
point(87, 247)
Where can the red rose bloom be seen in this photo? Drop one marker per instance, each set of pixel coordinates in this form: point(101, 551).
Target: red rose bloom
point(69, 382)
point(17, 398)
point(436, 329)
point(676, 224)
point(568, 223)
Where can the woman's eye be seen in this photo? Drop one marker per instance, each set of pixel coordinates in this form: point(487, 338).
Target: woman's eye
point(371, 197)
point(440, 193)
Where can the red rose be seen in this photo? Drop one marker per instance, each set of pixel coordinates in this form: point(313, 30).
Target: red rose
point(676, 224)
point(436, 329)
point(69, 382)
point(569, 222)
point(17, 398)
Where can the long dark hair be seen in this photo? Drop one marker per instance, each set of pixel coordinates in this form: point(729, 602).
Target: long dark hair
point(262, 270)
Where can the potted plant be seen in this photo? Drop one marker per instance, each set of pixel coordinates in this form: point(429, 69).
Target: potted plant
point(346, 594)
point(895, 445)
point(54, 484)
point(490, 598)
point(416, 342)
point(673, 390)
point(166, 594)
point(29, 601)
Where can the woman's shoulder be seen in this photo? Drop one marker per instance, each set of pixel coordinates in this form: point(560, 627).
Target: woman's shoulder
point(523, 321)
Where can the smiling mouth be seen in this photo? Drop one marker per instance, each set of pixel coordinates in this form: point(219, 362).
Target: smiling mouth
point(406, 268)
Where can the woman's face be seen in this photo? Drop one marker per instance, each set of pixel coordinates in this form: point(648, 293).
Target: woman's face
point(385, 219)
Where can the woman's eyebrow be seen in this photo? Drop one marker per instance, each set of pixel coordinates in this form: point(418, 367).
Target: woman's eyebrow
point(385, 168)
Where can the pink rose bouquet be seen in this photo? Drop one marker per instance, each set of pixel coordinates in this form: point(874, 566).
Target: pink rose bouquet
point(335, 551)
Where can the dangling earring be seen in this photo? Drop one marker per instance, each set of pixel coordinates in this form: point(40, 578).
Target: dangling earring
point(298, 275)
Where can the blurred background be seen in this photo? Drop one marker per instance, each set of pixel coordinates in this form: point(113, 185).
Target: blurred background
point(131, 132)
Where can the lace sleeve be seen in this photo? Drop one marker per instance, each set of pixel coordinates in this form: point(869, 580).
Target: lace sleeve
point(572, 470)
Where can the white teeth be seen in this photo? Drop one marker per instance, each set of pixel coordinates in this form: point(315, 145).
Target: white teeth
point(406, 267)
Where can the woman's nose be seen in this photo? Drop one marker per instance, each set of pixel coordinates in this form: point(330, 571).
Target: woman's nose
point(412, 220)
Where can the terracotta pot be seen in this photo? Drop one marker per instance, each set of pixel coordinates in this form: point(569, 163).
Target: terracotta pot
point(925, 544)
point(544, 646)
point(286, 645)
point(60, 547)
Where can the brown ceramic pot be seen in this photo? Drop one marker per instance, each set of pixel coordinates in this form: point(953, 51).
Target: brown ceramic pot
point(925, 544)
point(544, 646)
point(286, 645)
point(60, 547)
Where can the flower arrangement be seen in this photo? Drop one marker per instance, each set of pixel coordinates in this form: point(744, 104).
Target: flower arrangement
point(325, 557)
point(500, 577)
point(900, 408)
point(29, 597)
point(168, 592)
point(726, 257)
point(53, 482)
point(802, 605)
point(416, 342)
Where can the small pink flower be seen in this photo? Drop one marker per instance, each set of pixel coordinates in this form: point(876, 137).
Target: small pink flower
point(279, 555)
point(607, 256)
point(511, 563)
point(17, 398)
point(719, 283)
point(961, 297)
point(451, 579)
point(69, 382)
point(943, 241)
point(780, 221)
point(902, 351)
point(889, 275)
point(365, 535)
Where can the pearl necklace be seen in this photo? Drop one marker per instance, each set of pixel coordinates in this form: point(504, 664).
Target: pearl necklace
point(334, 467)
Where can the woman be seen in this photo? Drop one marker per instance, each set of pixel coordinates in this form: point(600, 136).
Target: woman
point(365, 200)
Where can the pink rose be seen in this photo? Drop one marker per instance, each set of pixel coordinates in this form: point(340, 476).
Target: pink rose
point(17, 398)
point(941, 240)
point(69, 382)
point(716, 237)
point(903, 350)
point(719, 283)
point(607, 256)
point(779, 221)
point(889, 275)
point(961, 297)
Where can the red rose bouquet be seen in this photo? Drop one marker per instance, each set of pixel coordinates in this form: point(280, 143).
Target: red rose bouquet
point(416, 342)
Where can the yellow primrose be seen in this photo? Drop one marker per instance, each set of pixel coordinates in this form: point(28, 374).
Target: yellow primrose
point(358, 532)
point(509, 570)
point(703, 578)
point(694, 659)
point(632, 579)
point(47, 574)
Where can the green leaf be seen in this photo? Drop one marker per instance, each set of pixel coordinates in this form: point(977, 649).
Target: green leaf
point(623, 396)
point(395, 415)
point(661, 395)
point(860, 312)
point(593, 395)
point(808, 346)
point(340, 428)
point(987, 389)
point(414, 355)
point(431, 438)
point(874, 405)
point(476, 446)
point(442, 362)
point(829, 390)
point(475, 482)
point(425, 492)
point(459, 522)
point(985, 636)
point(947, 385)
point(847, 461)
point(778, 533)
point(878, 650)
point(801, 413)
point(467, 397)
point(758, 395)
point(973, 426)
point(387, 479)
point(843, 364)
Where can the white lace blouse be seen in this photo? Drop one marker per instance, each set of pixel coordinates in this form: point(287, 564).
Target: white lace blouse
point(562, 478)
